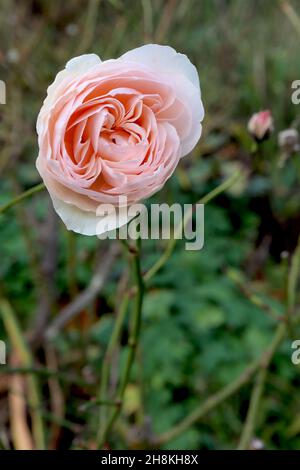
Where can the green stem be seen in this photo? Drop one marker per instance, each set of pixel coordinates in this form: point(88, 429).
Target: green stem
point(292, 281)
point(21, 197)
point(133, 339)
point(291, 14)
point(93, 403)
point(258, 389)
point(71, 263)
point(45, 373)
point(178, 230)
point(136, 321)
point(215, 400)
point(107, 361)
point(221, 188)
point(242, 284)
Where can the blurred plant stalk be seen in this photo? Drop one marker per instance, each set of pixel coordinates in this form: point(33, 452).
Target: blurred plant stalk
point(24, 356)
point(135, 255)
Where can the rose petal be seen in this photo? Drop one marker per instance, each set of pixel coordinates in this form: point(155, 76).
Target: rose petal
point(83, 62)
point(89, 223)
point(164, 59)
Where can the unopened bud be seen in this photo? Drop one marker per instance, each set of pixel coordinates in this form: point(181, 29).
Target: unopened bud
point(260, 125)
point(288, 141)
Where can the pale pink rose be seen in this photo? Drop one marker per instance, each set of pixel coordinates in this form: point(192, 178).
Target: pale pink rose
point(260, 125)
point(116, 128)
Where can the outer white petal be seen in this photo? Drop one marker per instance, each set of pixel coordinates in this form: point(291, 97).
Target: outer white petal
point(191, 142)
point(86, 222)
point(183, 76)
point(83, 62)
point(164, 59)
point(73, 67)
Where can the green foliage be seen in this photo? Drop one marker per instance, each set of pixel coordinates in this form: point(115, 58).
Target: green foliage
point(200, 330)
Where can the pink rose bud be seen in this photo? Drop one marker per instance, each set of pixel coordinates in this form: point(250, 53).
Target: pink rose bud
point(116, 129)
point(260, 125)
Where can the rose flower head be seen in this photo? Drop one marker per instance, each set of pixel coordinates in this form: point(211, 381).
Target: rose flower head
point(260, 125)
point(116, 129)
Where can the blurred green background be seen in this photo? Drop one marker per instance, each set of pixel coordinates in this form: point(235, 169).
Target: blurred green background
point(207, 315)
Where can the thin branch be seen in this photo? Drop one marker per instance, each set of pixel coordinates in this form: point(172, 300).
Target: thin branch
point(215, 400)
point(49, 416)
point(71, 263)
point(252, 296)
point(44, 372)
point(261, 364)
point(85, 297)
point(21, 197)
point(133, 339)
point(258, 390)
point(291, 14)
point(107, 361)
point(293, 278)
point(179, 229)
point(93, 403)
